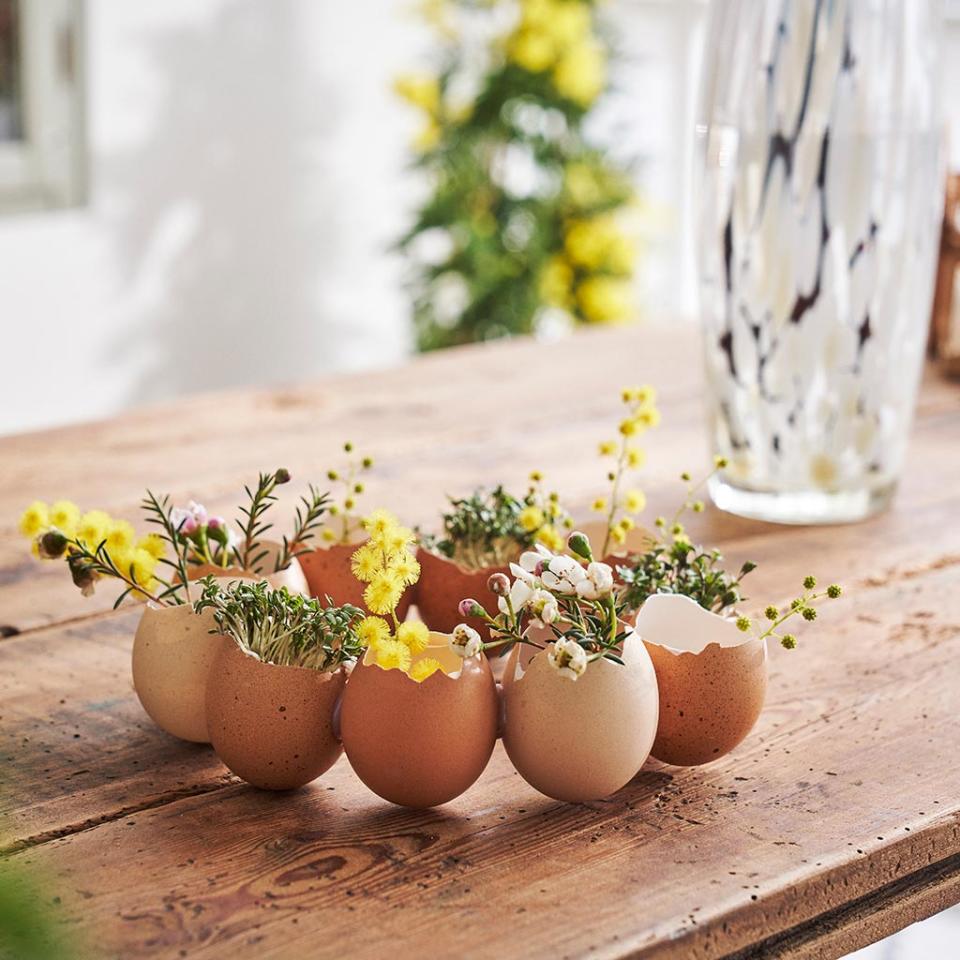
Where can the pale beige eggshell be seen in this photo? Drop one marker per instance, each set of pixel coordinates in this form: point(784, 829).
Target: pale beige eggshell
point(173, 651)
point(328, 574)
point(272, 725)
point(584, 739)
point(712, 679)
point(420, 744)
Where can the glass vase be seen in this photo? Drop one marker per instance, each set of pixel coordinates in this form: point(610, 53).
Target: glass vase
point(819, 202)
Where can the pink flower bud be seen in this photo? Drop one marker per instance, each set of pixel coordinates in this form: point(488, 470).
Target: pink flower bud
point(539, 568)
point(499, 583)
point(215, 523)
point(467, 607)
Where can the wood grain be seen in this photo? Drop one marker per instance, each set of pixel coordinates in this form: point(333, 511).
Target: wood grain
point(835, 822)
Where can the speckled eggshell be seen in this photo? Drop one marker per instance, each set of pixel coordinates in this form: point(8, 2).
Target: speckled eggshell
point(584, 739)
point(290, 577)
point(328, 573)
point(420, 744)
point(173, 651)
point(443, 584)
point(272, 725)
point(712, 679)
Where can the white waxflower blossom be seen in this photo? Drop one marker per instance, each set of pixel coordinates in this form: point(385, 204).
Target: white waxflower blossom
point(531, 559)
point(562, 574)
point(544, 607)
point(520, 593)
point(598, 582)
point(464, 641)
point(568, 658)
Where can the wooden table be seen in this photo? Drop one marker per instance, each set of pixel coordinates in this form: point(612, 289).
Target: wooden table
point(835, 823)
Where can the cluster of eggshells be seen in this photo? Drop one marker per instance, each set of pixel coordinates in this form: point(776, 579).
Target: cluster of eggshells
point(689, 690)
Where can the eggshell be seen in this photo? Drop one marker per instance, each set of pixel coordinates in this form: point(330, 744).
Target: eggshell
point(328, 573)
point(272, 725)
point(712, 679)
point(290, 577)
point(173, 651)
point(584, 739)
point(420, 744)
point(444, 583)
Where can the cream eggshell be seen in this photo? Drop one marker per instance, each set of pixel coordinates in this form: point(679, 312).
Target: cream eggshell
point(584, 739)
point(173, 651)
point(712, 679)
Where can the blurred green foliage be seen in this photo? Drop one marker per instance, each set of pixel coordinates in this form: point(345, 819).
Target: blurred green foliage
point(523, 228)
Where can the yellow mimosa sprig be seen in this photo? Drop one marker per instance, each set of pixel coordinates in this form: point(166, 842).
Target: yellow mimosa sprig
point(352, 487)
point(387, 565)
point(624, 501)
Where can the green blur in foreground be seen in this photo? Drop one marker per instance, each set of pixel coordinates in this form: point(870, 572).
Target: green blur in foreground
point(27, 926)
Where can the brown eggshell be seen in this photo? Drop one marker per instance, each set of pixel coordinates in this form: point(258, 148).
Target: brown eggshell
point(328, 573)
point(272, 725)
point(584, 739)
point(290, 577)
point(173, 651)
point(420, 744)
point(712, 679)
point(444, 583)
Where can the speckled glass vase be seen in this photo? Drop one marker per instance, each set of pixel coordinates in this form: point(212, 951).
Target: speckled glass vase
point(819, 199)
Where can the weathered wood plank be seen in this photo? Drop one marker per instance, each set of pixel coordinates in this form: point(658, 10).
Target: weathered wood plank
point(848, 785)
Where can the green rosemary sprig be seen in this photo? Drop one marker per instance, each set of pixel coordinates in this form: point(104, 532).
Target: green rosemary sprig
point(253, 527)
point(282, 628)
point(308, 519)
point(159, 512)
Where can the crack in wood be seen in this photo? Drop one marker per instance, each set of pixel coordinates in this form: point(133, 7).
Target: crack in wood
point(72, 829)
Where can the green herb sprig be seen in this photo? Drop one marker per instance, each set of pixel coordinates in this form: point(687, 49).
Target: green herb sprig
point(802, 606)
point(253, 527)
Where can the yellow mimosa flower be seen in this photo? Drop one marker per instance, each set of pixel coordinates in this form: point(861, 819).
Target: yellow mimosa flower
point(531, 518)
point(551, 538)
point(628, 427)
point(406, 567)
point(414, 635)
point(600, 505)
point(649, 417)
point(120, 537)
point(635, 501)
point(636, 458)
point(383, 592)
point(532, 49)
point(556, 282)
point(93, 528)
point(568, 23)
point(153, 544)
point(34, 519)
point(424, 668)
point(618, 535)
point(65, 516)
point(605, 299)
point(627, 524)
point(372, 631)
point(366, 562)
point(608, 448)
point(422, 90)
point(581, 73)
point(392, 655)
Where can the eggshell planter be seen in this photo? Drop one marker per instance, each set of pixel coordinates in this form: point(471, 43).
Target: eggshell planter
point(173, 651)
point(584, 739)
point(712, 679)
point(291, 576)
point(328, 574)
point(420, 744)
point(272, 725)
point(444, 583)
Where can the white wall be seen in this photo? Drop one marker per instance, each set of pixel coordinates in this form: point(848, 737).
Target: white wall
point(246, 161)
